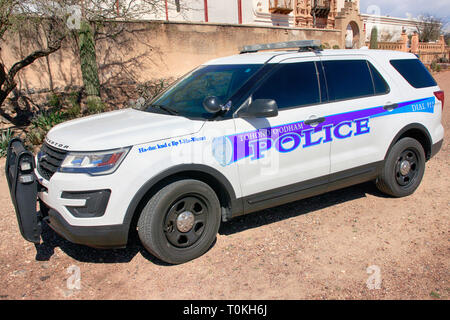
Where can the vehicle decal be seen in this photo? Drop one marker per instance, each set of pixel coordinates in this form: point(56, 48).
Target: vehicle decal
point(56, 144)
point(288, 137)
point(172, 143)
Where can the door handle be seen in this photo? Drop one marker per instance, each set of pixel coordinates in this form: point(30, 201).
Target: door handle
point(390, 107)
point(314, 121)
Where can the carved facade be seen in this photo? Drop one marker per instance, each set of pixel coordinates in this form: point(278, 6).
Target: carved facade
point(315, 13)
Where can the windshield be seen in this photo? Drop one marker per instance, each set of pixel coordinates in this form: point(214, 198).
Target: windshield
point(186, 97)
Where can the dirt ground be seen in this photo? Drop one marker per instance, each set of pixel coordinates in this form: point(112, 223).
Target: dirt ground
point(318, 248)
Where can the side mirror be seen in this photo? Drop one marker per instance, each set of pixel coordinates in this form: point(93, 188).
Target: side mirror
point(260, 108)
point(212, 104)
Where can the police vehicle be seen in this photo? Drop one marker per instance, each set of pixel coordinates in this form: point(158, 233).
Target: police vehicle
point(236, 135)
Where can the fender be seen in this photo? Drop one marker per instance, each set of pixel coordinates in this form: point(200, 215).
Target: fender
point(413, 126)
point(188, 169)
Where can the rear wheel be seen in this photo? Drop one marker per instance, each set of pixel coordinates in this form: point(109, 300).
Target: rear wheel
point(180, 222)
point(403, 169)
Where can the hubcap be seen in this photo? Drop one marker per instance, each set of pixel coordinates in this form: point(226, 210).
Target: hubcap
point(405, 167)
point(185, 221)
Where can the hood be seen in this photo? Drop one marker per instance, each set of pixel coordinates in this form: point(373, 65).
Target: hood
point(120, 128)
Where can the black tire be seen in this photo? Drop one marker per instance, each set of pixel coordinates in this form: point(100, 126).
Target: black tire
point(160, 221)
point(396, 180)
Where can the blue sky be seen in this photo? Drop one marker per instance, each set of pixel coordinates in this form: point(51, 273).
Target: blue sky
point(405, 8)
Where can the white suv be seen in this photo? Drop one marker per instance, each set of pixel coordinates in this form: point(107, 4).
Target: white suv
point(234, 136)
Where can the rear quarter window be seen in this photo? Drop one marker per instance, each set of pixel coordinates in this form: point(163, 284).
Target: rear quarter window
point(414, 72)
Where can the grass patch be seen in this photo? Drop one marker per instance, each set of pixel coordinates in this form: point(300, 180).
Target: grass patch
point(5, 138)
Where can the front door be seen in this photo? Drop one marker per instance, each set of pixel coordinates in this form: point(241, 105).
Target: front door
point(275, 155)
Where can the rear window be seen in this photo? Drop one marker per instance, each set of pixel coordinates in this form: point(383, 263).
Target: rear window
point(414, 72)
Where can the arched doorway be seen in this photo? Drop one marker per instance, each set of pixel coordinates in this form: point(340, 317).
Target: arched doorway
point(352, 36)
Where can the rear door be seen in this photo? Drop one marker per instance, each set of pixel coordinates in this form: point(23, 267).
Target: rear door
point(358, 96)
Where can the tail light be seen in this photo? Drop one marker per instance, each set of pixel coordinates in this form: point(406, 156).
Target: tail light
point(440, 96)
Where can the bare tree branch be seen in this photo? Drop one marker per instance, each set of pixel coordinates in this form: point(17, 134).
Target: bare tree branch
point(429, 28)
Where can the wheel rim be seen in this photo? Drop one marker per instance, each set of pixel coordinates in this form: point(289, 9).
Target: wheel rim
point(407, 168)
point(186, 220)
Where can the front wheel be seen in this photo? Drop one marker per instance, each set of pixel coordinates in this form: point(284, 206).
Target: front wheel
point(403, 169)
point(181, 221)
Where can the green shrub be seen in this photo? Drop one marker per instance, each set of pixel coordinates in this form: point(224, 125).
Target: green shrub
point(54, 101)
point(336, 47)
point(73, 112)
point(74, 109)
point(35, 136)
point(47, 120)
point(95, 105)
point(5, 138)
point(41, 124)
point(326, 45)
point(436, 67)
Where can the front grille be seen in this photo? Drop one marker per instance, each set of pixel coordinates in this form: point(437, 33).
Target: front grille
point(49, 160)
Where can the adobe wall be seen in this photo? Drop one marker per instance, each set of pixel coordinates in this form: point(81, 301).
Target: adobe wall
point(152, 50)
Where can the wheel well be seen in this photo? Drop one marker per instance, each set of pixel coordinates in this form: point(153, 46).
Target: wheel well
point(421, 137)
point(221, 191)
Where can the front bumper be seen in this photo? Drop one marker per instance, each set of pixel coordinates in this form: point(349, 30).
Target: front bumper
point(24, 186)
point(105, 237)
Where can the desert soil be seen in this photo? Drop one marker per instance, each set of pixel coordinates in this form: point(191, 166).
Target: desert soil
point(318, 248)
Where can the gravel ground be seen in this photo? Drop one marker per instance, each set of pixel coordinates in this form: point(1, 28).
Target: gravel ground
point(318, 248)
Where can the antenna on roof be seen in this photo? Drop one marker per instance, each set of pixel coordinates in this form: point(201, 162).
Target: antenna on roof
point(302, 45)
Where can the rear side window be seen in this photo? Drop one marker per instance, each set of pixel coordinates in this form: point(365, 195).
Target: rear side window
point(348, 79)
point(414, 72)
point(291, 85)
point(380, 85)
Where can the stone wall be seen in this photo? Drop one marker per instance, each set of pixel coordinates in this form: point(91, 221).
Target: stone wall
point(427, 52)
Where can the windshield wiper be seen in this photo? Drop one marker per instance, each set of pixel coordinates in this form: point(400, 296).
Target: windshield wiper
point(166, 109)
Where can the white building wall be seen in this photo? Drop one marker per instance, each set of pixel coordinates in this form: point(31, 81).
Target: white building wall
point(389, 28)
point(219, 11)
point(223, 11)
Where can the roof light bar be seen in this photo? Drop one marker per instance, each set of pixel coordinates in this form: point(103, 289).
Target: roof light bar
point(302, 45)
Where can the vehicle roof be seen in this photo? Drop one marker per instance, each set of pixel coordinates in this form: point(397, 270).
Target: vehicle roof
point(275, 56)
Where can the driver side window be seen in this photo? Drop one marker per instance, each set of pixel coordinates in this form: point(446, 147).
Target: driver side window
point(291, 85)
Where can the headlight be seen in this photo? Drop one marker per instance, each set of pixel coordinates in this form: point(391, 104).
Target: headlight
point(94, 163)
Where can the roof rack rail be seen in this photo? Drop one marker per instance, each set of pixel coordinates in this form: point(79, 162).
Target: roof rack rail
point(302, 45)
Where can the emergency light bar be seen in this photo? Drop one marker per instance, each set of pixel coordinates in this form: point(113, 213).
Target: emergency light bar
point(302, 45)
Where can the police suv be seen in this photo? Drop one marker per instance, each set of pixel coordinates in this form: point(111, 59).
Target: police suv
point(234, 136)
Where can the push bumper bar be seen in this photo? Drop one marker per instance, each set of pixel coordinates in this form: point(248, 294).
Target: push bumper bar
point(23, 187)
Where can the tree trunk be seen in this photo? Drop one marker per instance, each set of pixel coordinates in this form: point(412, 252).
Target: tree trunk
point(7, 81)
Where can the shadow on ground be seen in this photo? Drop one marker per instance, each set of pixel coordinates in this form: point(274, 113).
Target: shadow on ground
point(298, 208)
point(51, 240)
